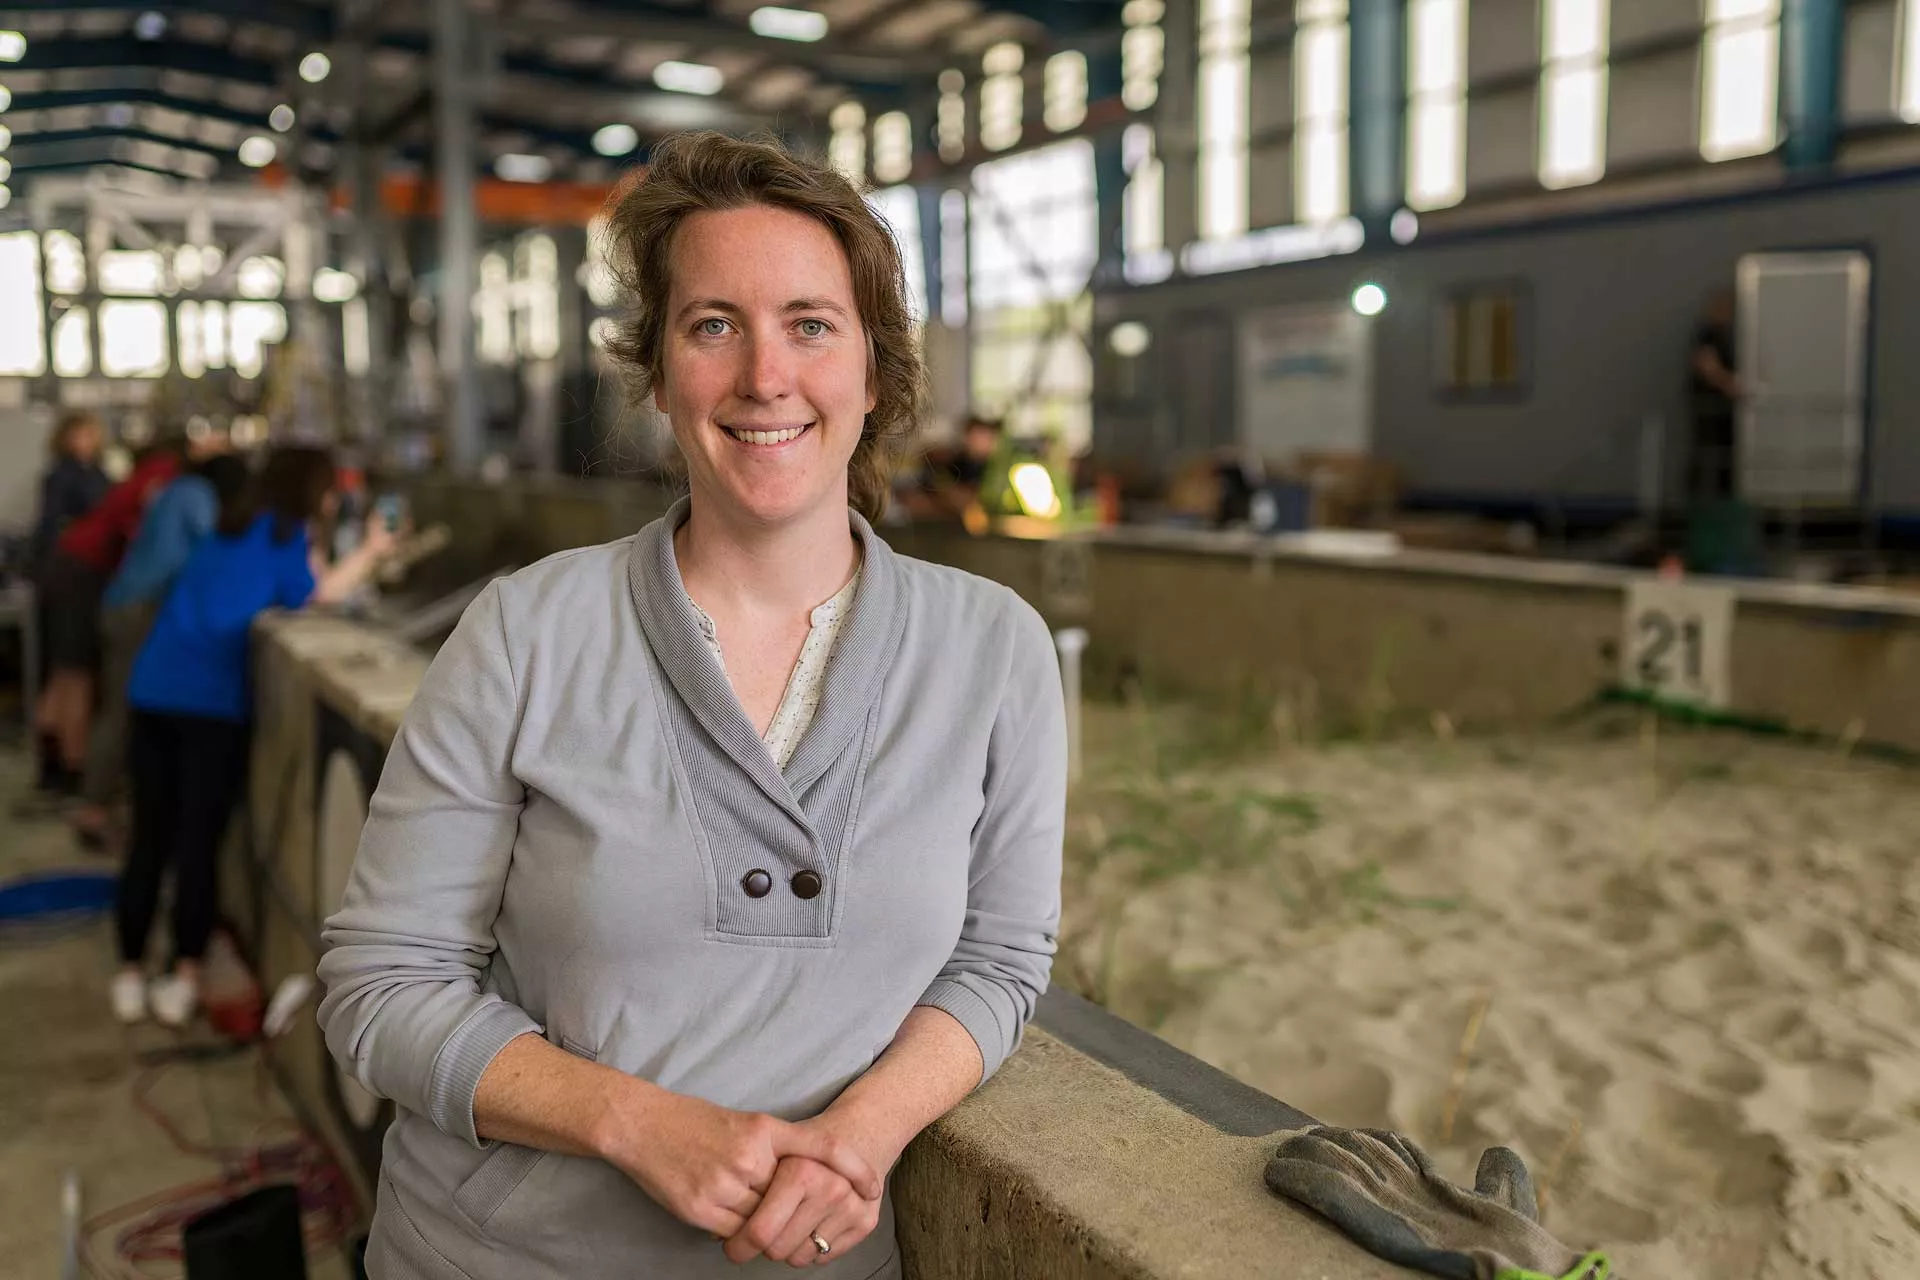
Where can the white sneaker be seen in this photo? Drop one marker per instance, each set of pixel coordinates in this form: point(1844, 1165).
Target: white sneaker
point(174, 1000)
point(129, 995)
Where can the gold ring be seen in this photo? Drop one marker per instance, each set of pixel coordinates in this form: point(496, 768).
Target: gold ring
point(821, 1245)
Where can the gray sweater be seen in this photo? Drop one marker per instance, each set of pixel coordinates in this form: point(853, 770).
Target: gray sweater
point(563, 841)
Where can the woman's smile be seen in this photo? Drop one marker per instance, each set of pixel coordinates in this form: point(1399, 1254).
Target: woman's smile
point(767, 436)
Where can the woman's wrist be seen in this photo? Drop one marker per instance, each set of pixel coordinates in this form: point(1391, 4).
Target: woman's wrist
point(874, 1133)
point(625, 1110)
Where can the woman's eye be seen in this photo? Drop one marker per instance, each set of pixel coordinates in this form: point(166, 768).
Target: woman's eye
point(712, 327)
point(813, 328)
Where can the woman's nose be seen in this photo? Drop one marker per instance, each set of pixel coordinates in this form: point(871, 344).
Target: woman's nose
point(766, 371)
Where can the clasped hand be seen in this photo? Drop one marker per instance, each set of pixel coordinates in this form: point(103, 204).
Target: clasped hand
point(764, 1186)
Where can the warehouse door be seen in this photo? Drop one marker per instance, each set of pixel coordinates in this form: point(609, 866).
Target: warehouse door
point(1803, 358)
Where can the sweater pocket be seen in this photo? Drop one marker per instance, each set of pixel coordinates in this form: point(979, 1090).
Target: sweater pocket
point(505, 1167)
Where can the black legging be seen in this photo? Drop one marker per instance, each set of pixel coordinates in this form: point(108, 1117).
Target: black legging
point(186, 775)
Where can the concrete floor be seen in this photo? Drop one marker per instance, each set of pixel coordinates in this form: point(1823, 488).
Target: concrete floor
point(69, 1075)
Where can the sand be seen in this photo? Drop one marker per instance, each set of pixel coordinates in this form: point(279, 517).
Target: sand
point(1677, 970)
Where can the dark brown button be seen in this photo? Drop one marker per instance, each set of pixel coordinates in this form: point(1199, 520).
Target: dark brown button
point(757, 883)
point(806, 884)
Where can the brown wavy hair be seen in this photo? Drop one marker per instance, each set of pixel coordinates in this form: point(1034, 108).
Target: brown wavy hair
point(691, 173)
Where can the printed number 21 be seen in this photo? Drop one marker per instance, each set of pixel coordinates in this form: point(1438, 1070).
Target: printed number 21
point(1658, 632)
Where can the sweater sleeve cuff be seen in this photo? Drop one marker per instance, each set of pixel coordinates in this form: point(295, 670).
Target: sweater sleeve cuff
point(972, 1011)
point(464, 1058)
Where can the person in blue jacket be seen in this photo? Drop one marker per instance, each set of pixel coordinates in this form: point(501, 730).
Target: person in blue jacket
point(192, 706)
point(182, 515)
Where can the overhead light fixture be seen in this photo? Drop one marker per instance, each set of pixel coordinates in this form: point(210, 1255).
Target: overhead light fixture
point(6, 137)
point(6, 97)
point(257, 152)
point(281, 118)
point(616, 139)
point(689, 77)
point(1130, 339)
point(150, 25)
point(6, 197)
point(13, 46)
point(523, 168)
point(6, 168)
point(315, 67)
point(1369, 299)
point(778, 23)
point(331, 285)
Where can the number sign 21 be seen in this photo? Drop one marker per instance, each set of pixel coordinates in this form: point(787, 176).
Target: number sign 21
point(1676, 641)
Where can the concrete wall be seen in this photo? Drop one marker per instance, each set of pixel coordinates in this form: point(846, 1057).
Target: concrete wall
point(1615, 299)
point(1484, 640)
point(1096, 1153)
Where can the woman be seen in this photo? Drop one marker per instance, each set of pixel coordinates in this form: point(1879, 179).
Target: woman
point(183, 514)
point(187, 755)
point(73, 485)
point(711, 865)
point(88, 552)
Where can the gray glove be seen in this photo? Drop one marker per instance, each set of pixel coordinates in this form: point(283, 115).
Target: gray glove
point(1382, 1191)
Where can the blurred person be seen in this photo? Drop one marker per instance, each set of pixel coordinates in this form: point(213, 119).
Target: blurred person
point(182, 514)
point(1717, 391)
point(85, 555)
point(711, 865)
point(973, 475)
point(72, 485)
point(979, 447)
point(189, 694)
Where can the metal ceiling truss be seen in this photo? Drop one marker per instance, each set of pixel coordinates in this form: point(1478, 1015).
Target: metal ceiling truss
point(287, 223)
point(189, 68)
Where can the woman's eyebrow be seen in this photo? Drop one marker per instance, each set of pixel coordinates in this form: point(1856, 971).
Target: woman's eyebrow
point(816, 304)
point(707, 304)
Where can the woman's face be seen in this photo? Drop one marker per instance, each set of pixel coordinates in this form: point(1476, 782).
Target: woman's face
point(764, 370)
point(85, 442)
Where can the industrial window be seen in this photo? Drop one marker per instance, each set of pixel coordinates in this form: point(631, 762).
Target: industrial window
point(129, 272)
point(1225, 28)
point(66, 262)
point(1064, 90)
point(356, 338)
point(23, 348)
point(950, 120)
point(536, 268)
point(1033, 239)
point(1142, 53)
point(899, 208)
point(190, 339)
point(892, 147)
point(72, 342)
point(1320, 111)
point(1478, 341)
point(260, 277)
point(252, 327)
point(1909, 66)
point(213, 333)
point(1002, 96)
point(1143, 216)
point(1573, 91)
point(953, 258)
point(1740, 79)
point(206, 330)
point(493, 311)
point(847, 147)
point(133, 338)
point(1437, 103)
